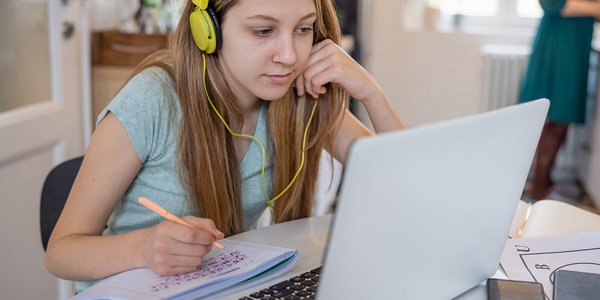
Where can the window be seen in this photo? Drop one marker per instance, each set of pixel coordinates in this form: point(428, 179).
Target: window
point(505, 13)
point(470, 7)
point(529, 8)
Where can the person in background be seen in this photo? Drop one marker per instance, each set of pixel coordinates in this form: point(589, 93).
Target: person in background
point(558, 70)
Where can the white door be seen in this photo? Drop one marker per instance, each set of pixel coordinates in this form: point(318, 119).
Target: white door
point(42, 92)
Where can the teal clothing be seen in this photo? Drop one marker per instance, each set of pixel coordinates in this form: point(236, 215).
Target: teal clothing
point(559, 64)
point(152, 125)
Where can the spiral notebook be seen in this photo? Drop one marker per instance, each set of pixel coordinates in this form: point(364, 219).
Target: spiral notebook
point(240, 266)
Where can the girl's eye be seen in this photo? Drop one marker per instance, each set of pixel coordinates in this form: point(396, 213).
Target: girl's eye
point(262, 33)
point(304, 30)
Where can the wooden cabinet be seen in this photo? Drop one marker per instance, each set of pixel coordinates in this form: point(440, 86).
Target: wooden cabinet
point(106, 82)
point(114, 57)
point(122, 49)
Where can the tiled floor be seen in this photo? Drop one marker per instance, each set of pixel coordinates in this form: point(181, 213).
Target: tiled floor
point(572, 193)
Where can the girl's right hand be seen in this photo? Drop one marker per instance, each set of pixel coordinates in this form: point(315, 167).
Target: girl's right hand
point(170, 248)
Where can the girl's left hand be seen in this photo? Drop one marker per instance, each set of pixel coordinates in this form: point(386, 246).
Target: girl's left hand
point(329, 63)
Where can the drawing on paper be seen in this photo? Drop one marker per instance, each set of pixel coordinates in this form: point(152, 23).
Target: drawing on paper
point(219, 265)
point(542, 265)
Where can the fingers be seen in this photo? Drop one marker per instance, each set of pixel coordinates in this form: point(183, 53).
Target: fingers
point(205, 224)
point(176, 239)
point(324, 56)
point(304, 81)
point(203, 233)
point(319, 74)
point(303, 85)
point(320, 45)
point(328, 63)
point(188, 249)
point(187, 235)
point(315, 55)
point(323, 51)
point(176, 248)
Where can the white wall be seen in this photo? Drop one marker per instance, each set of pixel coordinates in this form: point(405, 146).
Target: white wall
point(427, 76)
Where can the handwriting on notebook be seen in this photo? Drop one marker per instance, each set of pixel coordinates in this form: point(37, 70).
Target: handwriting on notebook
point(224, 271)
point(219, 265)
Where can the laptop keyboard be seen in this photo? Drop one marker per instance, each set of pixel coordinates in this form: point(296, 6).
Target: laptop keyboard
point(296, 288)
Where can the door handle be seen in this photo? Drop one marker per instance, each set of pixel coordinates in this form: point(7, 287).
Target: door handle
point(68, 28)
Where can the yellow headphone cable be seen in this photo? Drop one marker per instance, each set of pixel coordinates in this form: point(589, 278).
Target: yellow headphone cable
point(269, 202)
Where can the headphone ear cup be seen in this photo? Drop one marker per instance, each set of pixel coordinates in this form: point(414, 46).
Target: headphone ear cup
point(217, 27)
point(203, 31)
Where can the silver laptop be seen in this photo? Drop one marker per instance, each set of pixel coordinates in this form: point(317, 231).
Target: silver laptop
point(424, 213)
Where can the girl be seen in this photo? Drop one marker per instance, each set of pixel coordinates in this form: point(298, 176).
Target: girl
point(166, 137)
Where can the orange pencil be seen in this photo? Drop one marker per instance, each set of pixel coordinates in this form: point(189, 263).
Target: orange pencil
point(169, 216)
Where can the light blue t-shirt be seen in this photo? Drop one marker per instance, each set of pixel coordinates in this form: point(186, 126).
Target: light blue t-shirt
point(143, 107)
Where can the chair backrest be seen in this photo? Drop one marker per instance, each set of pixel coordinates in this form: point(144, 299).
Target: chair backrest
point(54, 195)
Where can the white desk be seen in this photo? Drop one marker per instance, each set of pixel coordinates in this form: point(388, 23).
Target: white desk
point(309, 237)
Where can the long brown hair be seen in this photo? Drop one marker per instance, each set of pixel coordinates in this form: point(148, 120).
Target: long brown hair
point(207, 161)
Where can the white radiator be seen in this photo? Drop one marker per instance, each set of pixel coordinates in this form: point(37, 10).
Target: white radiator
point(503, 70)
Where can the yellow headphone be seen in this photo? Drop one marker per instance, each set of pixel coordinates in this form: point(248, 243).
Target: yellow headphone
point(206, 31)
point(206, 28)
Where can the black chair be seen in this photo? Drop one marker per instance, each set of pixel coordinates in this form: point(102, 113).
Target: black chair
point(54, 195)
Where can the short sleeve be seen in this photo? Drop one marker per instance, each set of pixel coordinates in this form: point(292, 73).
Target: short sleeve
point(143, 110)
point(552, 7)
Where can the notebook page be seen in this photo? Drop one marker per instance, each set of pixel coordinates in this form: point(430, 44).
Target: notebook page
point(220, 269)
point(555, 218)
